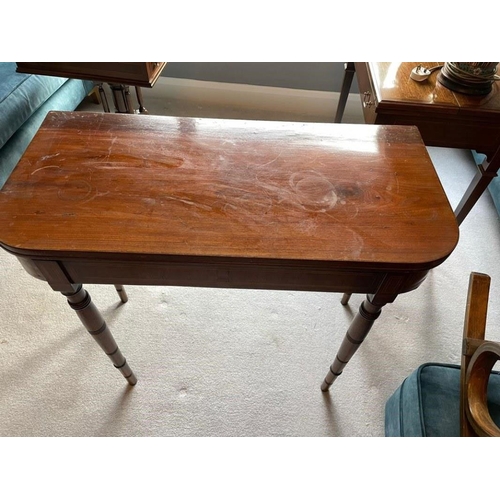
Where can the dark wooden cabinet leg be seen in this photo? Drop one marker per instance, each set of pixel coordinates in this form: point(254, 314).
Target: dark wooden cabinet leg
point(121, 293)
point(486, 173)
point(121, 98)
point(142, 109)
point(89, 315)
point(128, 98)
point(360, 326)
point(344, 93)
point(104, 99)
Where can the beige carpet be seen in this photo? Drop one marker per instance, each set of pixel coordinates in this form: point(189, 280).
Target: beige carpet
point(232, 362)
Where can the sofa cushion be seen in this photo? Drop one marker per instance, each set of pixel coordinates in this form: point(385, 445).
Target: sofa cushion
point(427, 403)
point(20, 96)
point(67, 98)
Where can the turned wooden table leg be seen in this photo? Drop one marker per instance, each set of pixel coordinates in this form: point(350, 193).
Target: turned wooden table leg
point(91, 318)
point(345, 298)
point(360, 326)
point(121, 293)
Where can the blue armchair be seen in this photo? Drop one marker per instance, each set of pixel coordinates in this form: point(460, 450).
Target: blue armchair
point(439, 400)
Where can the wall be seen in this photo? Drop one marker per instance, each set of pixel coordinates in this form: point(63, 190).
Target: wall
point(323, 76)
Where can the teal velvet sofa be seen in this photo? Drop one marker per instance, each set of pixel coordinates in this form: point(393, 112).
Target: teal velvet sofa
point(494, 185)
point(24, 102)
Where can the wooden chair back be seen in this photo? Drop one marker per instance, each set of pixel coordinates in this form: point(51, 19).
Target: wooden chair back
point(478, 358)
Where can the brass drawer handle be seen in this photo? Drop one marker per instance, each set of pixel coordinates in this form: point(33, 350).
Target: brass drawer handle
point(367, 102)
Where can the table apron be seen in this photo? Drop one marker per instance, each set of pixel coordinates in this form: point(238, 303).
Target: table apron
point(60, 274)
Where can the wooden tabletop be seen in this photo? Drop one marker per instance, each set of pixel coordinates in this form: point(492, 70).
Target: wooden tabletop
point(393, 85)
point(119, 184)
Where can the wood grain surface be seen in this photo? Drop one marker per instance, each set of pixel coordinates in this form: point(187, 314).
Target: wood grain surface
point(444, 118)
point(155, 186)
point(392, 82)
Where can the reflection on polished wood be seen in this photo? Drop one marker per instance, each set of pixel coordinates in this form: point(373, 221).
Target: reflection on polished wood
point(394, 87)
point(107, 198)
point(444, 118)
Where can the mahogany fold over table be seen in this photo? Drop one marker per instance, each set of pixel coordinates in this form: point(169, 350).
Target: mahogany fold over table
point(149, 200)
